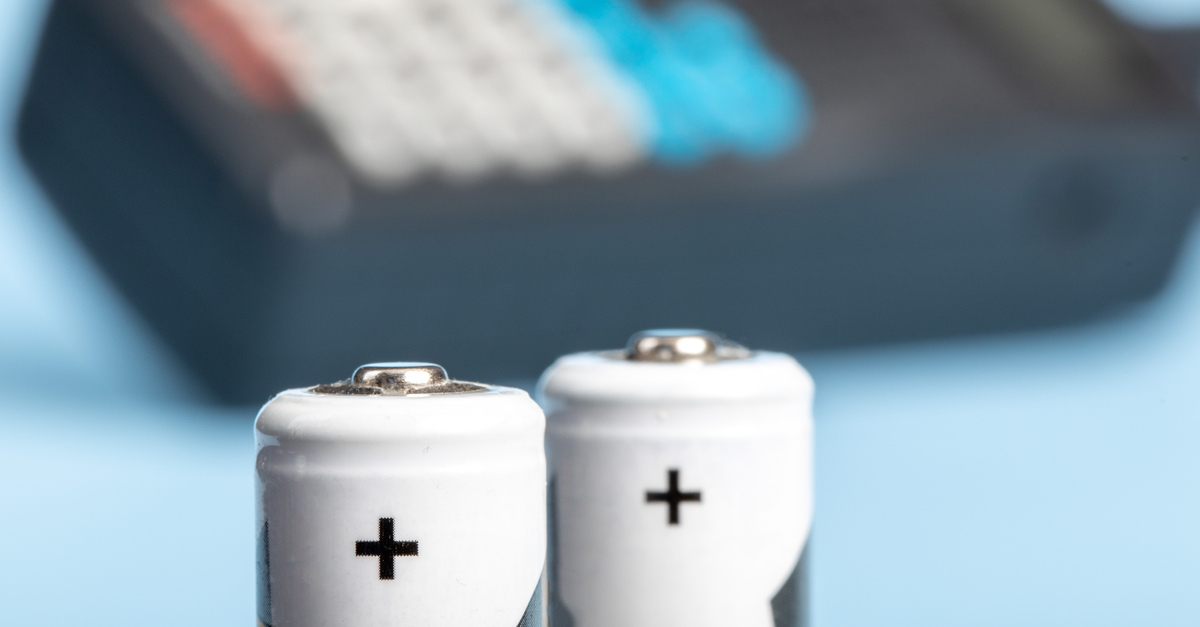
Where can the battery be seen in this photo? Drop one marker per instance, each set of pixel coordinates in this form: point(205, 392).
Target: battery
point(681, 488)
point(401, 497)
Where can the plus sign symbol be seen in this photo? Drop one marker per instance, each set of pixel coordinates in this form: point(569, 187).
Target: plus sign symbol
point(672, 497)
point(386, 548)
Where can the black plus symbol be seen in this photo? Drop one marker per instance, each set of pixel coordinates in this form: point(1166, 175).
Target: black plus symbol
point(672, 497)
point(386, 548)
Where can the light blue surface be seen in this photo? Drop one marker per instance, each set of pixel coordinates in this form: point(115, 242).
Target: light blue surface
point(1046, 479)
point(1038, 479)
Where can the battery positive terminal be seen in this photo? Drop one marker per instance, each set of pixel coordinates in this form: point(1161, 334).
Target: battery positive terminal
point(400, 378)
point(682, 345)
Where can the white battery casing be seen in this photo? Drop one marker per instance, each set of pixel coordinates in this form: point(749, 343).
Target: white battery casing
point(463, 476)
point(738, 434)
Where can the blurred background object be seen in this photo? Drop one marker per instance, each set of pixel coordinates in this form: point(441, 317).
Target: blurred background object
point(1042, 476)
point(1171, 29)
point(284, 189)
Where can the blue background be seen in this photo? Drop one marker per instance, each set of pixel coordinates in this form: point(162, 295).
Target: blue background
point(1046, 478)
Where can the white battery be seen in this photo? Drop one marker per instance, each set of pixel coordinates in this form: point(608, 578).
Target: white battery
point(401, 497)
point(681, 489)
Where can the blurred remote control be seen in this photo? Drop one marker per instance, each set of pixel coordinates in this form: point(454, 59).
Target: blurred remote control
point(287, 188)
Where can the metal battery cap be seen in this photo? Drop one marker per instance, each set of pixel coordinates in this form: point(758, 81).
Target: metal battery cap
point(401, 374)
point(399, 378)
point(681, 345)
